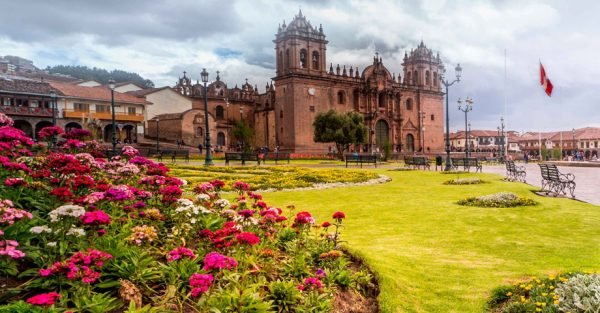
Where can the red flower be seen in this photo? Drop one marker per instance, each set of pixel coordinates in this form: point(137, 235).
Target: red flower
point(247, 238)
point(325, 224)
point(44, 299)
point(62, 193)
point(339, 215)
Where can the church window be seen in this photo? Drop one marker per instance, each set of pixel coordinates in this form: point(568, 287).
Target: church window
point(220, 112)
point(409, 104)
point(382, 103)
point(220, 139)
point(199, 132)
point(432, 117)
point(311, 108)
point(280, 61)
point(287, 58)
point(408, 78)
point(341, 97)
point(303, 58)
point(427, 78)
point(435, 79)
point(416, 77)
point(281, 114)
point(315, 60)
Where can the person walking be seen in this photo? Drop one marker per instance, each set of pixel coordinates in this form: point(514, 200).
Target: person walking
point(200, 148)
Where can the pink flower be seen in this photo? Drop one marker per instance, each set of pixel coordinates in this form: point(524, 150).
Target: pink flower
point(95, 218)
point(311, 283)
point(216, 261)
point(44, 299)
point(9, 247)
point(247, 238)
point(246, 213)
point(15, 182)
point(179, 253)
point(48, 132)
point(200, 283)
point(303, 218)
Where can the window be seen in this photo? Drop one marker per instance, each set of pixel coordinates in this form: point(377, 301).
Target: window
point(131, 111)
point(315, 60)
point(311, 108)
point(303, 58)
point(281, 114)
point(435, 79)
point(34, 104)
point(199, 132)
point(220, 112)
point(341, 97)
point(7, 101)
point(432, 117)
point(409, 104)
point(102, 108)
point(287, 58)
point(81, 107)
point(382, 101)
point(408, 78)
point(280, 61)
point(416, 77)
point(427, 78)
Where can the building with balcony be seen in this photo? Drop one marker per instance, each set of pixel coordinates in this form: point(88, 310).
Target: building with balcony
point(27, 102)
point(90, 107)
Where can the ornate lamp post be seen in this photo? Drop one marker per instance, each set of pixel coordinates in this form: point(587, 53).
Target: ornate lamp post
point(157, 135)
point(468, 136)
point(447, 84)
point(111, 85)
point(208, 159)
point(53, 96)
point(467, 108)
point(574, 144)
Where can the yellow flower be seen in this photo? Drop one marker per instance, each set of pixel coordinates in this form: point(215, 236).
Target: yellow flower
point(544, 294)
point(538, 310)
point(556, 302)
point(508, 294)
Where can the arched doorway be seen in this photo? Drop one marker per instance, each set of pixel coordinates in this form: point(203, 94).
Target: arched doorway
point(25, 127)
point(221, 139)
point(72, 125)
point(41, 125)
point(129, 134)
point(410, 143)
point(382, 131)
point(108, 133)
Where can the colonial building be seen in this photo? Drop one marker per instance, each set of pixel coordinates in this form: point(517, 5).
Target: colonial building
point(405, 112)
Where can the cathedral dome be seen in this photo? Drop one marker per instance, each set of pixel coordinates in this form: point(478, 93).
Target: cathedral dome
point(377, 69)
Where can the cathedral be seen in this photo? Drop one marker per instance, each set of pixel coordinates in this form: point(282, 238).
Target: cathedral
point(404, 111)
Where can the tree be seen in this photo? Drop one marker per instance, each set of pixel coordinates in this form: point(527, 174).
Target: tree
point(343, 129)
point(243, 134)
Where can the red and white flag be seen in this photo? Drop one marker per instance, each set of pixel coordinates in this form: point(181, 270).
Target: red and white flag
point(545, 82)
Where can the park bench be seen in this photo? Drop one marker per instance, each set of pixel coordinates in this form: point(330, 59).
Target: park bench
point(555, 181)
point(180, 153)
point(238, 156)
point(514, 172)
point(162, 153)
point(409, 161)
point(276, 156)
point(361, 158)
point(417, 162)
point(467, 163)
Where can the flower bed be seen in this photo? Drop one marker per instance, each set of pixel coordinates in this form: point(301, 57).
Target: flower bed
point(464, 181)
point(497, 200)
point(85, 234)
point(278, 178)
point(571, 292)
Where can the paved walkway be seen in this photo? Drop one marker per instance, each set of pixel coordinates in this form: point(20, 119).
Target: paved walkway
point(586, 178)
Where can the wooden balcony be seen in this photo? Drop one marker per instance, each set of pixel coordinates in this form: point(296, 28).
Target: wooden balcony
point(119, 116)
point(26, 111)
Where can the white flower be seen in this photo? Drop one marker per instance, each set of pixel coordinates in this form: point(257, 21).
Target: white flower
point(222, 203)
point(77, 232)
point(66, 210)
point(40, 229)
point(185, 202)
point(51, 244)
point(203, 197)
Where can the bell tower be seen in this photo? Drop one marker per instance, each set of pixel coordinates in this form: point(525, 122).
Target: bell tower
point(300, 48)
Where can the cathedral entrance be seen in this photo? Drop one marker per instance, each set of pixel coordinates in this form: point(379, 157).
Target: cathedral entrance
point(410, 143)
point(382, 131)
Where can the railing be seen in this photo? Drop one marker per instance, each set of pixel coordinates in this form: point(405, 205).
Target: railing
point(29, 111)
point(119, 116)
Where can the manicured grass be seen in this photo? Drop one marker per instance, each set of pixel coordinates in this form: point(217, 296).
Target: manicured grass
point(432, 255)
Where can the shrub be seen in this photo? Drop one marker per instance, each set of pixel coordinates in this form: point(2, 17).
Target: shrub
point(497, 200)
point(464, 181)
point(580, 294)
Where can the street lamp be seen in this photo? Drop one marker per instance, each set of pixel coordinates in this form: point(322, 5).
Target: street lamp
point(208, 158)
point(157, 136)
point(53, 96)
point(241, 113)
point(468, 136)
point(574, 146)
point(111, 85)
point(447, 84)
point(467, 108)
point(502, 156)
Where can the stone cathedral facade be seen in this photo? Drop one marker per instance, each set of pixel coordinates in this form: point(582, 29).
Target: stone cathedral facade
point(405, 111)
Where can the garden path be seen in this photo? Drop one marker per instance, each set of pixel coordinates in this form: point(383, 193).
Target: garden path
point(586, 179)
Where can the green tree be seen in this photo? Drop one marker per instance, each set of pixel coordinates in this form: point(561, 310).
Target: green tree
point(343, 129)
point(245, 135)
point(99, 74)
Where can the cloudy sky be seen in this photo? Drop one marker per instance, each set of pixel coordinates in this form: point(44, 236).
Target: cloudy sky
point(161, 38)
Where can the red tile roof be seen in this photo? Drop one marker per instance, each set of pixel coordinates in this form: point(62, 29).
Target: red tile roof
point(100, 93)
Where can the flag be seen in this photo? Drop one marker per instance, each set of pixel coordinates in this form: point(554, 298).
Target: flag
point(545, 82)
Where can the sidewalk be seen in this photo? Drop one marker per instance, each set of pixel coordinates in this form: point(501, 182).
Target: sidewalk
point(586, 178)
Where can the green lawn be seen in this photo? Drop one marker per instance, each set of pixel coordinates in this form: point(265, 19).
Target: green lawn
point(432, 255)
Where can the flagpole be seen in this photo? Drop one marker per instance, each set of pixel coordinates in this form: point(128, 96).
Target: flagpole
point(505, 139)
point(561, 145)
point(540, 144)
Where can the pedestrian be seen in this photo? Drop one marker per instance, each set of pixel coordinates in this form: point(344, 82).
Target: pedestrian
point(525, 158)
point(178, 143)
point(200, 148)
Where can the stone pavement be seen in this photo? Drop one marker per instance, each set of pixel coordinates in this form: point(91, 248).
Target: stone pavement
point(586, 178)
